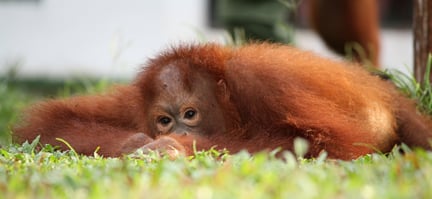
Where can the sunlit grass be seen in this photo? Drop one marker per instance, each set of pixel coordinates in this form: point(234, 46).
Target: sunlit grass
point(25, 173)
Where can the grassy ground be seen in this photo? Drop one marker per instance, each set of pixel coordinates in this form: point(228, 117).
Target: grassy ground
point(48, 174)
point(25, 173)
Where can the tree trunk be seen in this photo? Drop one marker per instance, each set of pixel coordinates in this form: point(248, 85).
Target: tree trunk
point(422, 36)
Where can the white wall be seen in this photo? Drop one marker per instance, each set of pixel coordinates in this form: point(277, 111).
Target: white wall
point(97, 37)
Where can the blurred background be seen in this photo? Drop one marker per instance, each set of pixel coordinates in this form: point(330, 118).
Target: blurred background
point(60, 39)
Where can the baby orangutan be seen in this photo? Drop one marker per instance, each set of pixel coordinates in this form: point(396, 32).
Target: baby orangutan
point(256, 97)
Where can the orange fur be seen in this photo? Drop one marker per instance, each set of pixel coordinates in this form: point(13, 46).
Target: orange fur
point(87, 122)
point(256, 97)
point(346, 22)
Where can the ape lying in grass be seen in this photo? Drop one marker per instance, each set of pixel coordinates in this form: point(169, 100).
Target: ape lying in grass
point(256, 97)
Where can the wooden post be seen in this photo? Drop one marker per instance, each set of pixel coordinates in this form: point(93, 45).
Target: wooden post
point(422, 36)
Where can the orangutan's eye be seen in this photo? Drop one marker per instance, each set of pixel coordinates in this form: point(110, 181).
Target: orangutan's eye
point(190, 114)
point(164, 120)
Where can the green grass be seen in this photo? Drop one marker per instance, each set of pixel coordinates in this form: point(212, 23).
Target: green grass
point(52, 174)
point(27, 173)
point(422, 91)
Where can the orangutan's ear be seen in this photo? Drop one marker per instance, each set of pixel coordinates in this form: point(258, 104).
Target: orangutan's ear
point(223, 90)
